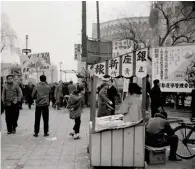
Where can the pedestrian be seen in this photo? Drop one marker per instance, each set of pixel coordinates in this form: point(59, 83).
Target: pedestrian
point(2, 106)
point(132, 105)
point(29, 90)
point(155, 98)
point(75, 107)
point(71, 87)
point(159, 134)
point(193, 103)
point(53, 100)
point(112, 94)
point(11, 95)
point(58, 95)
point(148, 91)
point(41, 93)
point(22, 87)
point(103, 101)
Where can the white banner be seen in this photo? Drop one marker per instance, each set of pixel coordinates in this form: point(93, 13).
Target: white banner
point(127, 65)
point(141, 63)
point(172, 66)
point(126, 85)
point(100, 69)
point(113, 67)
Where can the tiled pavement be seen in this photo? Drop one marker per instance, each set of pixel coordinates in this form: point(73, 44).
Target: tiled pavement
point(58, 151)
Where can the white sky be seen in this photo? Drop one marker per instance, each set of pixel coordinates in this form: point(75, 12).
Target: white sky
point(55, 27)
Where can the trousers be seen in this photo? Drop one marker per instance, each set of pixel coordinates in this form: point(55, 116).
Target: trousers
point(11, 117)
point(44, 111)
point(76, 127)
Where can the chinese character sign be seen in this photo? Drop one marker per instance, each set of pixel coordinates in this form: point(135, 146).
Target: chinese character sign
point(100, 69)
point(127, 65)
point(141, 63)
point(113, 67)
point(170, 65)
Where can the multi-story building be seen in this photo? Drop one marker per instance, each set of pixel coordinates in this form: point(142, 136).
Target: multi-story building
point(117, 32)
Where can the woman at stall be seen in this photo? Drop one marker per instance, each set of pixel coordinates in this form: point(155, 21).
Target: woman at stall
point(132, 105)
point(103, 101)
point(75, 107)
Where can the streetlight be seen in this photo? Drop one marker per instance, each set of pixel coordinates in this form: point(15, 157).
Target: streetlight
point(60, 72)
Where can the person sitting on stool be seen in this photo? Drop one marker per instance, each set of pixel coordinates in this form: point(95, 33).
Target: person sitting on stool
point(156, 129)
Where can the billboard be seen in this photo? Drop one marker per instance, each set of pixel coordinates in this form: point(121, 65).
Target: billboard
point(92, 51)
point(36, 62)
point(171, 65)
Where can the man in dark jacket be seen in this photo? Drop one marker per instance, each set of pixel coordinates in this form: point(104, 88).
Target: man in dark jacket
point(193, 103)
point(41, 93)
point(148, 91)
point(155, 97)
point(112, 93)
point(11, 96)
point(159, 134)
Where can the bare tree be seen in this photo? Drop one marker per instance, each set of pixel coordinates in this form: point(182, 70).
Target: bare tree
point(135, 30)
point(8, 35)
point(176, 21)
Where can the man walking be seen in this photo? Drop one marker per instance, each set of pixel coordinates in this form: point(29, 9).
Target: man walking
point(58, 95)
point(11, 96)
point(41, 93)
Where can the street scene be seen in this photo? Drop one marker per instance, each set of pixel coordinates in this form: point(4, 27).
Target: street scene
point(91, 84)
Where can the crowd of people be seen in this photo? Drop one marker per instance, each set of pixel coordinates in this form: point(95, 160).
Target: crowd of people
point(73, 97)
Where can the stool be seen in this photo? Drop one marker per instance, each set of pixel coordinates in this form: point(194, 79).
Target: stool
point(155, 155)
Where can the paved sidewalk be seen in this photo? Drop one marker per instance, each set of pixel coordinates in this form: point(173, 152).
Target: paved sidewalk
point(59, 150)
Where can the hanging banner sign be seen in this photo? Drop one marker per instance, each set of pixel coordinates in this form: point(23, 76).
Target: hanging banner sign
point(141, 63)
point(100, 69)
point(174, 67)
point(113, 67)
point(36, 62)
point(127, 65)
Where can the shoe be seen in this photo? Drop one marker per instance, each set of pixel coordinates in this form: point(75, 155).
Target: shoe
point(46, 134)
point(174, 158)
point(71, 134)
point(76, 136)
point(9, 133)
point(14, 131)
point(35, 135)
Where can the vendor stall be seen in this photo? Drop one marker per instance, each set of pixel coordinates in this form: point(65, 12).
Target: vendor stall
point(118, 144)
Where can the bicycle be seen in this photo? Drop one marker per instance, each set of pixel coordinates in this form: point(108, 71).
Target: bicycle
point(186, 139)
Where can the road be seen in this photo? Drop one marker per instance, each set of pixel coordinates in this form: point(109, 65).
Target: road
point(59, 150)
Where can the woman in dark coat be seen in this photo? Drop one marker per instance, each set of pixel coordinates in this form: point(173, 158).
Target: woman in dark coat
point(29, 91)
point(103, 101)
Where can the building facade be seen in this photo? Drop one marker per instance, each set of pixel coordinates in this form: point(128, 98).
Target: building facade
point(118, 30)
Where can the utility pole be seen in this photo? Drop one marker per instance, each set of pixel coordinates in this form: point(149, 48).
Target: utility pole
point(26, 50)
point(98, 27)
point(52, 74)
point(60, 71)
point(84, 33)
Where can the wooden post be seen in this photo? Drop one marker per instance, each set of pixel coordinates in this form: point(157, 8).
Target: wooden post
point(93, 101)
point(144, 98)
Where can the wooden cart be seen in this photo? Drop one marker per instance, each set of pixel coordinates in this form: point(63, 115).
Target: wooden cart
point(123, 147)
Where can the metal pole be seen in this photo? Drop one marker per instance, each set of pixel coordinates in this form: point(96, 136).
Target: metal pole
point(26, 44)
point(60, 71)
point(98, 27)
point(84, 32)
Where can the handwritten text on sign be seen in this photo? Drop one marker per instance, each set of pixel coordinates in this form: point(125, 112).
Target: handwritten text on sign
point(113, 67)
point(141, 63)
point(127, 65)
point(100, 69)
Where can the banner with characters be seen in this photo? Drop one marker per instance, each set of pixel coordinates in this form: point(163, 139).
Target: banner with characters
point(174, 67)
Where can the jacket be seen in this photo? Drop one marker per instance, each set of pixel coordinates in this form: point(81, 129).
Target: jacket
point(11, 94)
point(75, 105)
point(41, 93)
